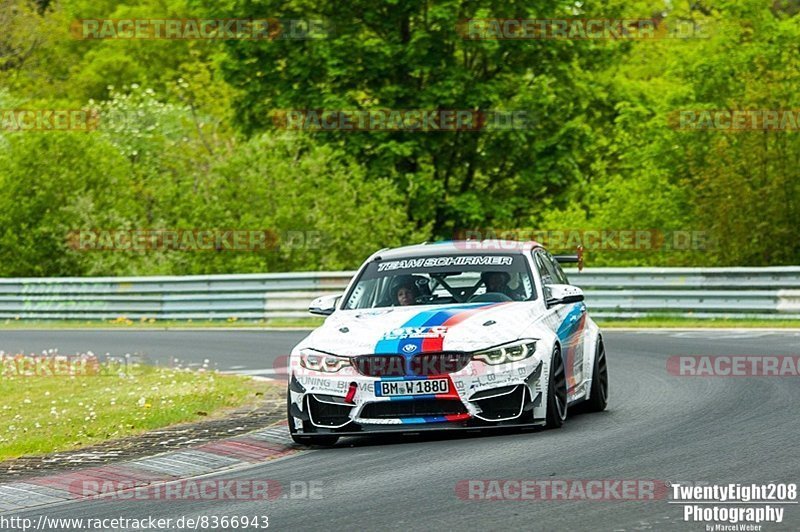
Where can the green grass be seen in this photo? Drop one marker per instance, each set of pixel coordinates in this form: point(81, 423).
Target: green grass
point(42, 414)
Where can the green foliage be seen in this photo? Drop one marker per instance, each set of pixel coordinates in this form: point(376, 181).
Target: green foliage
point(153, 165)
point(186, 139)
point(295, 187)
point(50, 183)
point(410, 56)
point(740, 189)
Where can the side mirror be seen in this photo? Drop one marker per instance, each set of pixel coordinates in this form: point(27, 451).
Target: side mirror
point(562, 294)
point(325, 305)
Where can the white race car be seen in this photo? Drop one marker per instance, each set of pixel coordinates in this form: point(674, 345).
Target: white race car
point(449, 335)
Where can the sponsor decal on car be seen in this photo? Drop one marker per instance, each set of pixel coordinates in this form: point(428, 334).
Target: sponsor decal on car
point(438, 262)
point(415, 332)
point(431, 327)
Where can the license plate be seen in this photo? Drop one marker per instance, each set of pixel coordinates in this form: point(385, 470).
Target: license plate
point(416, 387)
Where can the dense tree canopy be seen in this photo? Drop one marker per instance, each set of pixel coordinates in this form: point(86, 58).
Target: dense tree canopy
point(188, 136)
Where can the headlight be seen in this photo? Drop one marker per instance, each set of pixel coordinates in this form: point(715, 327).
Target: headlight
point(318, 361)
point(508, 353)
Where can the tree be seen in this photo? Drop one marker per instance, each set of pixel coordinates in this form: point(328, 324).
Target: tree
point(410, 55)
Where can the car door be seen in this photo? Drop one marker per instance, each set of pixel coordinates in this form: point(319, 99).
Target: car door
point(571, 323)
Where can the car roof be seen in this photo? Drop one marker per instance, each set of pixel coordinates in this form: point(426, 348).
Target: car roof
point(457, 247)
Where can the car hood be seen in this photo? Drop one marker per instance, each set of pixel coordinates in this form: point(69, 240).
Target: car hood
point(417, 329)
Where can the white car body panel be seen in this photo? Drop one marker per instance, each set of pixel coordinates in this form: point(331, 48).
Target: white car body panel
point(458, 328)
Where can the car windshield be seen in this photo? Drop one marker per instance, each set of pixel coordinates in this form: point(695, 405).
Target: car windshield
point(442, 280)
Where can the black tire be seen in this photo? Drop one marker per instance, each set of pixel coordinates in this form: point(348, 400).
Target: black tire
point(598, 400)
point(556, 392)
point(323, 440)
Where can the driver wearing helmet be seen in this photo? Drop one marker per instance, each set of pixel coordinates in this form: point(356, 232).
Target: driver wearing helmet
point(405, 291)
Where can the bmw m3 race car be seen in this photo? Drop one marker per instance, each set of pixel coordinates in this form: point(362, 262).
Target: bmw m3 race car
point(462, 334)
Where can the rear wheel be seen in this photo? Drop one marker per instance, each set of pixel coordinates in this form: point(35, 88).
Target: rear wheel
point(556, 392)
point(324, 440)
point(599, 392)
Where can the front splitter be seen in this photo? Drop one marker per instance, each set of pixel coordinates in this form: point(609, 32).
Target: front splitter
point(413, 428)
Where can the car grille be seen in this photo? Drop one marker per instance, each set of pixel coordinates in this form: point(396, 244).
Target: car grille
point(414, 408)
point(426, 364)
point(380, 365)
point(421, 365)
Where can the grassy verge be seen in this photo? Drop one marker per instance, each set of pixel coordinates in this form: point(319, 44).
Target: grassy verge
point(42, 413)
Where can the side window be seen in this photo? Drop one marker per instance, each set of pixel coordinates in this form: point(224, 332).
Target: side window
point(546, 270)
point(560, 275)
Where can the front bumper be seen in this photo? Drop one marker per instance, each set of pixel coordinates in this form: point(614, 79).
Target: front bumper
point(478, 396)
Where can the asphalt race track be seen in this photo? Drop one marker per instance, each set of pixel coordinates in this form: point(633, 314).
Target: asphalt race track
point(658, 427)
point(257, 351)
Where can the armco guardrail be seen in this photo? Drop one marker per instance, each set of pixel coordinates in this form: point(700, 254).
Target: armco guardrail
point(610, 292)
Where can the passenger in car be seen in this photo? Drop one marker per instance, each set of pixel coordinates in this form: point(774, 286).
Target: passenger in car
point(498, 282)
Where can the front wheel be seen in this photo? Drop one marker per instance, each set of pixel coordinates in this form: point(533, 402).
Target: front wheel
point(323, 440)
point(556, 392)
